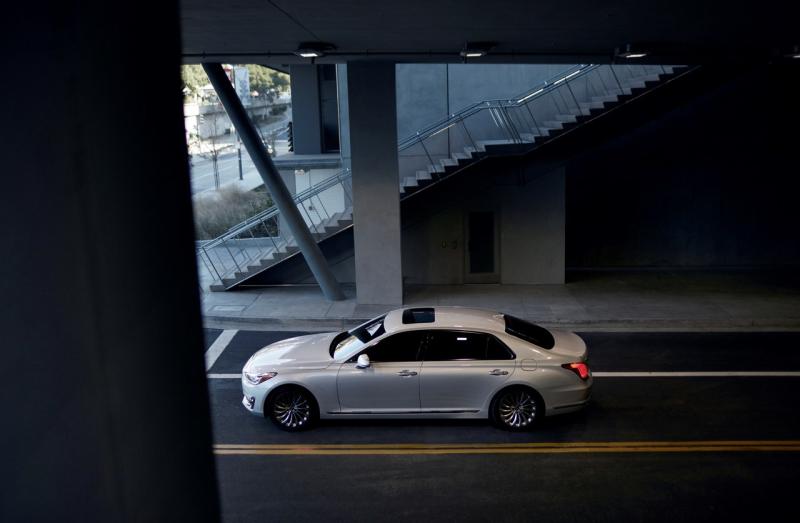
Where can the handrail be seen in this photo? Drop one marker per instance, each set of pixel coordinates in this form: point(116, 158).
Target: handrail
point(541, 89)
point(256, 219)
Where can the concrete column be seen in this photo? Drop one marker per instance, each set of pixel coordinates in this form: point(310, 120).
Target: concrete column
point(103, 394)
point(306, 120)
point(376, 193)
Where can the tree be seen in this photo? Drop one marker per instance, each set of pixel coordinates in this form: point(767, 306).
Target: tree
point(193, 78)
point(267, 81)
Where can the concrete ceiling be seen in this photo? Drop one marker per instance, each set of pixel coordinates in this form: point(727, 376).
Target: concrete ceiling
point(685, 31)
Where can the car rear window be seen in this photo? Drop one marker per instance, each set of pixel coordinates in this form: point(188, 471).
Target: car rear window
point(529, 332)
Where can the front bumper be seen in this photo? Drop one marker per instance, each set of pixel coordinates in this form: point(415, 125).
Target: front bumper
point(254, 396)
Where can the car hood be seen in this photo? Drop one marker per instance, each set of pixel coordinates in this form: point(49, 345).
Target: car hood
point(569, 344)
point(300, 353)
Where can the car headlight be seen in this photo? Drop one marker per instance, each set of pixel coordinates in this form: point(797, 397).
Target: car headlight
point(254, 378)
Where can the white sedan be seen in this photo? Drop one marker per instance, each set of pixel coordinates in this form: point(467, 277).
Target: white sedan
point(442, 362)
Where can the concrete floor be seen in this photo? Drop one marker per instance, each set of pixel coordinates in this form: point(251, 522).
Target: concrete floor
point(680, 300)
point(587, 486)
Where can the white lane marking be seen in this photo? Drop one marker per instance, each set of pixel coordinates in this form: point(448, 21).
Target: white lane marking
point(703, 374)
point(710, 374)
point(218, 346)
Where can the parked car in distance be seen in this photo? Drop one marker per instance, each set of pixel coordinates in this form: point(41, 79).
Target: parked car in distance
point(425, 362)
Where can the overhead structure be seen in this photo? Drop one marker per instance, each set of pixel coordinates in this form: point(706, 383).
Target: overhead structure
point(274, 183)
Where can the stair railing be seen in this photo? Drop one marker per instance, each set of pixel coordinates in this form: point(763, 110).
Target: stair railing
point(523, 118)
point(262, 235)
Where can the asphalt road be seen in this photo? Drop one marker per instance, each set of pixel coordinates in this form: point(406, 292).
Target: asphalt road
point(564, 470)
point(202, 167)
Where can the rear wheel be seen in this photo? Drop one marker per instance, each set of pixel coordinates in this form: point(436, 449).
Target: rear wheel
point(517, 409)
point(293, 409)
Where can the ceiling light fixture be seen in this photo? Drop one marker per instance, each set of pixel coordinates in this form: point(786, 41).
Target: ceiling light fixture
point(630, 52)
point(313, 49)
point(795, 52)
point(476, 49)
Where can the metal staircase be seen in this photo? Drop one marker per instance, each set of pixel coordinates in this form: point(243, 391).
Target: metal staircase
point(491, 128)
point(261, 242)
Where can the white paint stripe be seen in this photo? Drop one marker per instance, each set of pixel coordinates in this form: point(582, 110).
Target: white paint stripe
point(224, 376)
point(218, 346)
point(709, 374)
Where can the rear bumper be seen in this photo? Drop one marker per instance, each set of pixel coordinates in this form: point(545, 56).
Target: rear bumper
point(569, 399)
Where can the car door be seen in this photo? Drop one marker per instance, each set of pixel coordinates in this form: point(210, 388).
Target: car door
point(390, 384)
point(461, 370)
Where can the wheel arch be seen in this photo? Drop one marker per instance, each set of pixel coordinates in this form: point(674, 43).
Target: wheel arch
point(283, 386)
point(517, 385)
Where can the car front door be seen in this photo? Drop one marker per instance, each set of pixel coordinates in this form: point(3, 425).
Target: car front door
point(390, 384)
point(461, 370)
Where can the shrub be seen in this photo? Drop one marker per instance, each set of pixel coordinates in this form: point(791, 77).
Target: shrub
point(216, 213)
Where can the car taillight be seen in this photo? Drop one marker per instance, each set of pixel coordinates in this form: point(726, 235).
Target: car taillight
point(579, 368)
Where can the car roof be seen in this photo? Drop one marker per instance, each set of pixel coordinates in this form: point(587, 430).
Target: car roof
point(448, 317)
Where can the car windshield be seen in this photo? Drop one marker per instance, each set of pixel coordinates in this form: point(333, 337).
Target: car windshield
point(351, 341)
point(529, 332)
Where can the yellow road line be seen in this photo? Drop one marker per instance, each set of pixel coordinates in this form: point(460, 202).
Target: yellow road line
point(510, 448)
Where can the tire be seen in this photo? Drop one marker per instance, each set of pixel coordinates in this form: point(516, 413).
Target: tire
point(516, 409)
point(292, 409)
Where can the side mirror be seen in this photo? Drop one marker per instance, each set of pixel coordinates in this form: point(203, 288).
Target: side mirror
point(363, 361)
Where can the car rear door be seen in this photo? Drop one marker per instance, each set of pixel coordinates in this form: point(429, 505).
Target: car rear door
point(462, 369)
point(390, 385)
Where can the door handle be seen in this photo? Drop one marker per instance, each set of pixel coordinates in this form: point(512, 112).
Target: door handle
point(406, 373)
point(498, 372)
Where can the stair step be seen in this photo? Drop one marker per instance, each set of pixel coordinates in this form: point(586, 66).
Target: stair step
point(410, 181)
point(591, 105)
point(424, 175)
point(569, 118)
point(606, 99)
point(462, 156)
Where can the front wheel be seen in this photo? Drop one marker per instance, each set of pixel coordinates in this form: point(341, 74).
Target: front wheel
point(517, 409)
point(293, 409)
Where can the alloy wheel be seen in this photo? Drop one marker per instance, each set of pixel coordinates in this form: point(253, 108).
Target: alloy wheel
point(291, 409)
point(517, 409)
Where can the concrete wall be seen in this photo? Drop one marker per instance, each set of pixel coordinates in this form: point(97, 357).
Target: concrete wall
point(712, 182)
point(530, 212)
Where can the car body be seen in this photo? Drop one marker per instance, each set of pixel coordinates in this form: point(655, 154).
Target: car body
point(442, 362)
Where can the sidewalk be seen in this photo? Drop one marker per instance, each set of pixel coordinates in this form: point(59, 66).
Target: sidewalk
point(608, 300)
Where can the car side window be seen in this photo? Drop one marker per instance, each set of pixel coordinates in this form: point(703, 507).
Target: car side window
point(497, 350)
point(464, 346)
point(403, 346)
